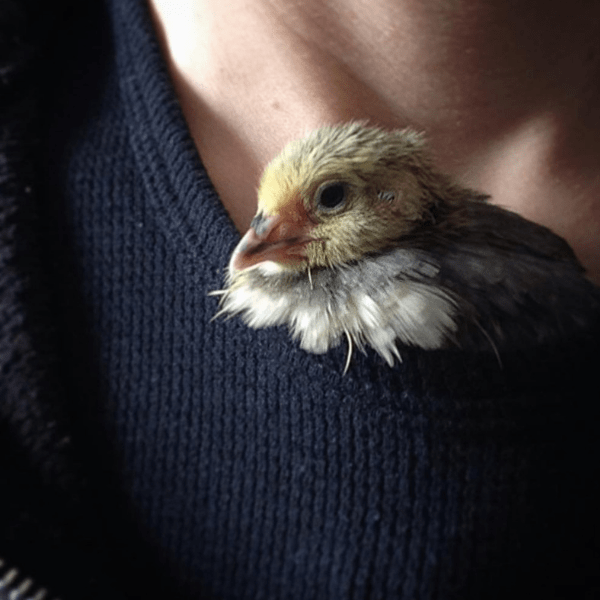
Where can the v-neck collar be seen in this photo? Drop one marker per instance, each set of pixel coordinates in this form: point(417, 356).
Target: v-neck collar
point(171, 169)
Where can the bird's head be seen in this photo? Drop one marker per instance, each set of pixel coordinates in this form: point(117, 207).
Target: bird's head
point(340, 193)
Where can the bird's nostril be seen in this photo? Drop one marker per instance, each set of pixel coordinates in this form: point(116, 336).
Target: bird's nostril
point(260, 223)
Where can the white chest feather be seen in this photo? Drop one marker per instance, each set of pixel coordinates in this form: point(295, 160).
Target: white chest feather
point(371, 303)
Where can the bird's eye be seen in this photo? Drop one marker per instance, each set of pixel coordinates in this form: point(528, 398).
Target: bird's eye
point(331, 196)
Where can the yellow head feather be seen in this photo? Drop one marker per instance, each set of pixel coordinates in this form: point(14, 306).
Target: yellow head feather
point(383, 173)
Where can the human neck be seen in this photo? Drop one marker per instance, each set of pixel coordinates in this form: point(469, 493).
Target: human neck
point(503, 91)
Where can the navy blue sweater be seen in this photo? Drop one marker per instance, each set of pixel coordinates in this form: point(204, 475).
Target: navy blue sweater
point(152, 450)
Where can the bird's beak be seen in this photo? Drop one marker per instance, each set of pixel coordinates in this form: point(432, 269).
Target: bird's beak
point(273, 238)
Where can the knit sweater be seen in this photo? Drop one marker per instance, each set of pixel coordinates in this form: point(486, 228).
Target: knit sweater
point(149, 451)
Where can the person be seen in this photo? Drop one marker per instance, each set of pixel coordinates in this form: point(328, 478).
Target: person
point(504, 93)
point(147, 450)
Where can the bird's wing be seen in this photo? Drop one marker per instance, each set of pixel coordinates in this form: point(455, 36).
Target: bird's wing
point(523, 291)
point(500, 228)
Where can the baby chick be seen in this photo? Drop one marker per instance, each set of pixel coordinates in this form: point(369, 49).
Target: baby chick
point(357, 235)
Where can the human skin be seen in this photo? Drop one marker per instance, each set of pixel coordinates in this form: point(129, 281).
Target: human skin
point(507, 92)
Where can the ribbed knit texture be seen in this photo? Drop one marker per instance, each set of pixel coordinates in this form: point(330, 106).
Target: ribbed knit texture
point(48, 527)
point(251, 469)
